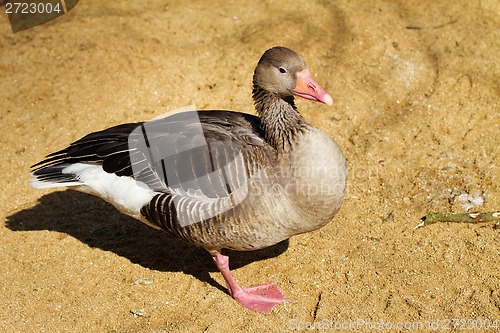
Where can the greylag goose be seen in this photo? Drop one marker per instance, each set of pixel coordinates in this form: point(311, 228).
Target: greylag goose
point(218, 179)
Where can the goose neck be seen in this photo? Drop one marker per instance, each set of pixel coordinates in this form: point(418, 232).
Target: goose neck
point(280, 120)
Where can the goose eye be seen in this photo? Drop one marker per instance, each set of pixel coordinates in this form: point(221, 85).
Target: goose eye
point(282, 70)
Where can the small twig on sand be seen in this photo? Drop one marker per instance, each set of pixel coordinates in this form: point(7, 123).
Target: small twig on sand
point(417, 27)
point(459, 218)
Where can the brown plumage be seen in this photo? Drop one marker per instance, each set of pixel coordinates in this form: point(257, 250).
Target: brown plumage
point(218, 179)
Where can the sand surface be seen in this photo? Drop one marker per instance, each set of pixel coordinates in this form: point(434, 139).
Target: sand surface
point(416, 89)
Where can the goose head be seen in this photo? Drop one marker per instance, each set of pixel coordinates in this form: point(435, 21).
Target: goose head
point(282, 72)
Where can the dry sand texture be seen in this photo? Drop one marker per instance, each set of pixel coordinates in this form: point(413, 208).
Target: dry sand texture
point(416, 110)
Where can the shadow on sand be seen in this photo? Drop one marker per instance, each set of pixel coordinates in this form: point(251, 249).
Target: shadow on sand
point(100, 225)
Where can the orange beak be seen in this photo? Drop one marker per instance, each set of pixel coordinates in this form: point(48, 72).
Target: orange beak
point(308, 88)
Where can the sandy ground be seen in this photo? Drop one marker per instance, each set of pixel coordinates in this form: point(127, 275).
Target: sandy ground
point(416, 111)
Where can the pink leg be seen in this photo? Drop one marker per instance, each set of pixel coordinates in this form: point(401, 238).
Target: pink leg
point(259, 298)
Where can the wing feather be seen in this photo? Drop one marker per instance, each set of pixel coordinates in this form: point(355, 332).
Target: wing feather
point(183, 150)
